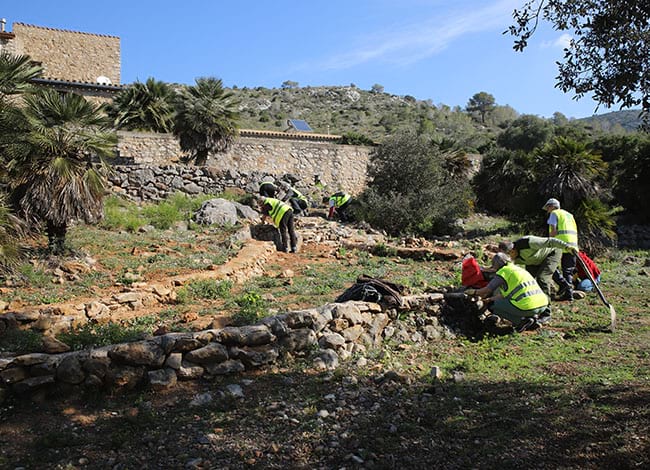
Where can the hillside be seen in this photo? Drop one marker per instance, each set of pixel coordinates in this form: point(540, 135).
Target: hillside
point(346, 109)
point(616, 121)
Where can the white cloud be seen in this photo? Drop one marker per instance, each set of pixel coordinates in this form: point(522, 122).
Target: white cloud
point(418, 41)
point(563, 42)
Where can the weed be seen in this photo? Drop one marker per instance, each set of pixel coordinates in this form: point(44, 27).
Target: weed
point(381, 249)
point(20, 341)
point(91, 335)
point(251, 308)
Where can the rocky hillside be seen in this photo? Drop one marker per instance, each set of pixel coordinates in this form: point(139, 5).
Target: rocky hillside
point(348, 109)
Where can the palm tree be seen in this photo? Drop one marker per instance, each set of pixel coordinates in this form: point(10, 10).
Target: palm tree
point(144, 107)
point(206, 118)
point(54, 176)
point(16, 71)
point(570, 171)
point(12, 229)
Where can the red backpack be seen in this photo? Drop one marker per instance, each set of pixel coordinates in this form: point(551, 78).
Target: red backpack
point(471, 274)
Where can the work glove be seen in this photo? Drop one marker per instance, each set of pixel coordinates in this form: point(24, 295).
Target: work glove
point(470, 292)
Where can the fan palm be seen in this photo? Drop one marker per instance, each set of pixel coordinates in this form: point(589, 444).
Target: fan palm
point(206, 118)
point(570, 171)
point(11, 230)
point(53, 173)
point(144, 107)
point(16, 71)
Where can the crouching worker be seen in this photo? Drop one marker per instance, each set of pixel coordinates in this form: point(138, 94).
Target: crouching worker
point(339, 203)
point(515, 295)
point(282, 216)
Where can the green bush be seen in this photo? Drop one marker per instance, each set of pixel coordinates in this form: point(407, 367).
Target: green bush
point(20, 341)
point(411, 189)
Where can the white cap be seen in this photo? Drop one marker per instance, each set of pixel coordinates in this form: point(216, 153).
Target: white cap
point(552, 202)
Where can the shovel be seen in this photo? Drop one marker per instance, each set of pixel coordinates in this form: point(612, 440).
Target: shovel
point(612, 312)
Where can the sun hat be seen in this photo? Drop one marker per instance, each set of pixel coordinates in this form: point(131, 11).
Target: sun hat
point(551, 202)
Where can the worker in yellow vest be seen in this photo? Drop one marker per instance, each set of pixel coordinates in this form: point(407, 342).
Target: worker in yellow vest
point(339, 203)
point(514, 295)
point(562, 225)
point(282, 216)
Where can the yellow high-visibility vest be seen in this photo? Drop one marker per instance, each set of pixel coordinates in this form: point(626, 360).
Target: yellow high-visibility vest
point(278, 209)
point(567, 230)
point(522, 289)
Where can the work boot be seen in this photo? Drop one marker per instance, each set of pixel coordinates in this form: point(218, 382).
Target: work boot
point(567, 295)
point(578, 294)
point(527, 324)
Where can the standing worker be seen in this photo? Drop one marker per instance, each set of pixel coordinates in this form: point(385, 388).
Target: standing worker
point(339, 204)
point(515, 295)
point(540, 256)
point(282, 216)
point(562, 225)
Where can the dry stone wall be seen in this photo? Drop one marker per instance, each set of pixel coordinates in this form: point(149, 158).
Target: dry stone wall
point(329, 333)
point(339, 167)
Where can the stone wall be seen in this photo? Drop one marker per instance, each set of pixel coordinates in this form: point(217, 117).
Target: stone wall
point(330, 333)
point(70, 55)
point(340, 167)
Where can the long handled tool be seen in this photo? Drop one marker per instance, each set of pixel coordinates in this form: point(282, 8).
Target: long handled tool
point(612, 312)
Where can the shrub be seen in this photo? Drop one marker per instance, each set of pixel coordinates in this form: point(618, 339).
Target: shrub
point(411, 189)
point(251, 308)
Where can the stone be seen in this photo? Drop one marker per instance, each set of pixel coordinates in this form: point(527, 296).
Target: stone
point(70, 371)
point(162, 379)
point(331, 341)
point(234, 391)
point(349, 311)
point(211, 353)
point(353, 333)
point(300, 319)
point(95, 309)
point(231, 366)
point(174, 361)
point(251, 335)
point(127, 297)
point(339, 324)
point(378, 324)
point(51, 345)
point(31, 384)
point(97, 366)
point(201, 399)
point(30, 359)
point(216, 212)
point(125, 377)
point(189, 371)
point(327, 359)
point(186, 343)
point(299, 340)
point(13, 375)
point(256, 356)
point(146, 353)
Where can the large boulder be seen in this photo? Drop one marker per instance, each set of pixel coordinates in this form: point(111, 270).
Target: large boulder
point(217, 212)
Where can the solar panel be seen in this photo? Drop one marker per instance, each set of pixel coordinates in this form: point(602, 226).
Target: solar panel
point(299, 125)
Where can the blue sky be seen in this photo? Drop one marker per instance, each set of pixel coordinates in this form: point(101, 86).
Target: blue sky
point(443, 50)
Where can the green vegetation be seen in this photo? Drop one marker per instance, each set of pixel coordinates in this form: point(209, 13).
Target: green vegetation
point(412, 188)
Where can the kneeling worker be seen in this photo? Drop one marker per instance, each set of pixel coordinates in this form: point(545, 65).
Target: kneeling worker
point(282, 216)
point(515, 294)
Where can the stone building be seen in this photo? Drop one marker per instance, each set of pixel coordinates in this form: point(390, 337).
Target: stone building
point(85, 63)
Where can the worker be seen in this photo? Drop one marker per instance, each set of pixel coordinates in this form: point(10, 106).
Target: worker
point(268, 189)
point(339, 203)
point(282, 216)
point(515, 295)
point(299, 202)
point(539, 255)
point(562, 225)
